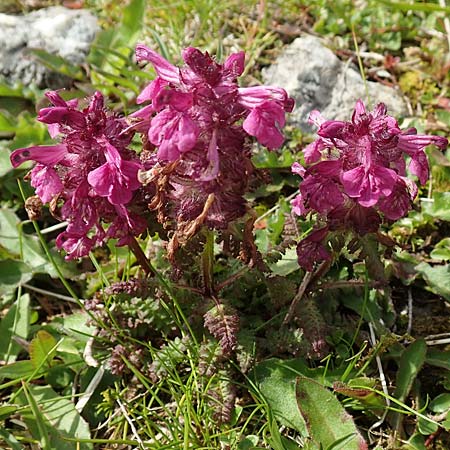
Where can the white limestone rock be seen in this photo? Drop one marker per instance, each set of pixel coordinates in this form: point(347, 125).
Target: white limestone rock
point(65, 32)
point(317, 79)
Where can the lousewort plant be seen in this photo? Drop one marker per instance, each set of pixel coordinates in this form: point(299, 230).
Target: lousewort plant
point(201, 121)
point(89, 177)
point(195, 162)
point(356, 176)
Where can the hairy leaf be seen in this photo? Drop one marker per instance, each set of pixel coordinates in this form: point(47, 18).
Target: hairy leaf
point(276, 381)
point(222, 396)
point(222, 322)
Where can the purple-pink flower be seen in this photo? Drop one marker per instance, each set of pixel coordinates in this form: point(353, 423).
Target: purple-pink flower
point(191, 103)
point(88, 177)
point(356, 172)
point(200, 122)
point(116, 179)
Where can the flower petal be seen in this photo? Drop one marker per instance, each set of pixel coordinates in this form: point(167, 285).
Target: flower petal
point(419, 166)
point(163, 68)
point(62, 115)
point(235, 64)
point(411, 143)
point(46, 182)
point(151, 90)
point(368, 185)
point(264, 122)
point(102, 179)
point(44, 154)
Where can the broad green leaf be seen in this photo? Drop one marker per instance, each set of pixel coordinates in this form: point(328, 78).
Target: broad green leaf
point(289, 444)
point(369, 310)
point(248, 443)
point(23, 245)
point(75, 325)
point(328, 422)
point(438, 358)
point(8, 91)
point(444, 116)
point(12, 274)
point(442, 254)
point(416, 442)
point(42, 349)
point(441, 403)
point(446, 422)
point(15, 105)
point(410, 364)
point(276, 381)
point(440, 207)
point(411, 361)
point(426, 427)
point(266, 159)
point(17, 319)
point(28, 248)
point(40, 427)
point(29, 132)
point(59, 417)
point(437, 278)
point(19, 370)
point(60, 376)
point(287, 264)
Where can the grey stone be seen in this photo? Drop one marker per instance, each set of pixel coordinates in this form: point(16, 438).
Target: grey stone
point(313, 75)
point(65, 32)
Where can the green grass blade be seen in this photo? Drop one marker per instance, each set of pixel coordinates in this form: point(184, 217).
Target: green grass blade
point(39, 419)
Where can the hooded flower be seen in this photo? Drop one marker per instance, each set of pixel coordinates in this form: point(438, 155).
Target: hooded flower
point(116, 179)
point(356, 171)
point(88, 177)
point(200, 122)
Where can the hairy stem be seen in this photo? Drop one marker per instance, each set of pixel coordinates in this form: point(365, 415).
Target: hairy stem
point(141, 258)
point(208, 264)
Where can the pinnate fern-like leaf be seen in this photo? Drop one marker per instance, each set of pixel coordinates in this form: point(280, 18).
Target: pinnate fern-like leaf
point(222, 322)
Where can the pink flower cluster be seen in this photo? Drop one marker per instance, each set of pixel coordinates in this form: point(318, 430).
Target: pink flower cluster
point(196, 152)
point(200, 120)
point(356, 174)
point(89, 177)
